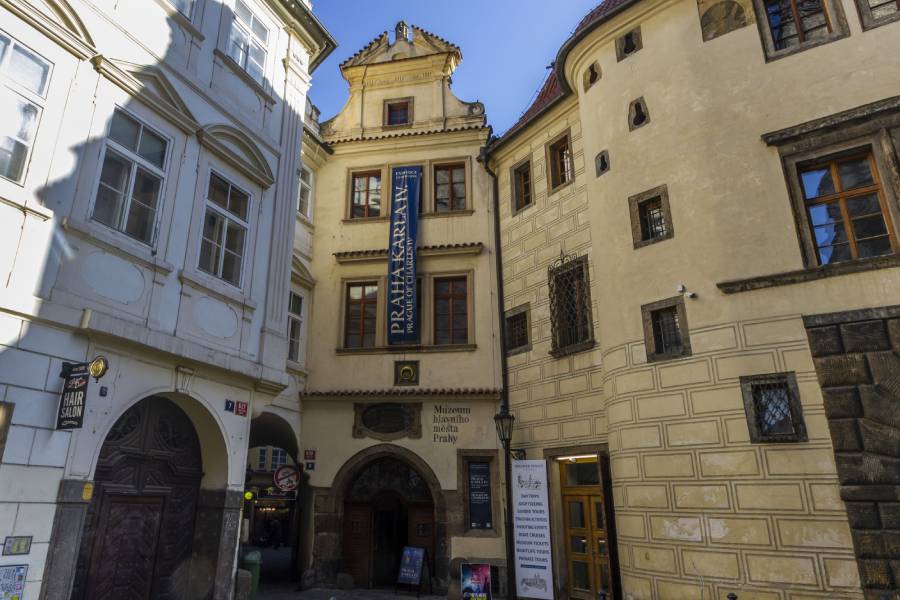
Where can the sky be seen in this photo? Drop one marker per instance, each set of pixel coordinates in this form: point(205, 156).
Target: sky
point(506, 45)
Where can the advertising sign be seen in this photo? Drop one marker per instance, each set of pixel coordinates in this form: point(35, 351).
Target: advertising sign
point(475, 581)
point(74, 393)
point(480, 495)
point(12, 582)
point(411, 562)
point(531, 518)
point(403, 318)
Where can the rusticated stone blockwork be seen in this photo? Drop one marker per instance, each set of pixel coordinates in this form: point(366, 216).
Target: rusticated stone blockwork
point(857, 358)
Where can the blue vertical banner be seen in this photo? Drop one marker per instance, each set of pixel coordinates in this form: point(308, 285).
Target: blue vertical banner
point(403, 317)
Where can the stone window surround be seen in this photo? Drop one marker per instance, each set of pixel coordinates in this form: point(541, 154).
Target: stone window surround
point(868, 21)
point(463, 458)
point(426, 193)
point(632, 109)
point(683, 329)
point(426, 316)
point(620, 44)
point(410, 102)
point(634, 202)
point(750, 408)
point(512, 182)
point(602, 155)
point(587, 344)
point(834, 12)
point(870, 124)
point(517, 310)
point(567, 133)
point(414, 431)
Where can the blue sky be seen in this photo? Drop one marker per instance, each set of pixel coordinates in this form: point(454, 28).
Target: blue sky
point(506, 45)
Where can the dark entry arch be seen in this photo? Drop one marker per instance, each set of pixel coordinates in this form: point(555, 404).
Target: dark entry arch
point(139, 528)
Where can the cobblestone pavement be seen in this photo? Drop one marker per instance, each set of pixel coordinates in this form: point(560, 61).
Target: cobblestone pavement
point(289, 592)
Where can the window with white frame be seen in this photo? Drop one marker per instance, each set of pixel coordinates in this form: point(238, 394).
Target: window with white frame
point(185, 7)
point(304, 201)
point(279, 458)
point(261, 457)
point(225, 226)
point(24, 77)
point(295, 327)
point(131, 178)
point(248, 41)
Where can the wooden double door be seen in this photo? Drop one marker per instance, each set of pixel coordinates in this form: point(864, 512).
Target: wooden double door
point(139, 530)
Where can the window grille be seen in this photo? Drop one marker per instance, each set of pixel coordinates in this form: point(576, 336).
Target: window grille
point(517, 331)
point(666, 331)
point(653, 219)
point(793, 22)
point(570, 305)
point(772, 405)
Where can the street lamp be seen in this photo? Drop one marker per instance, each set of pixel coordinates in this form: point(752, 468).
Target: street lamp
point(504, 421)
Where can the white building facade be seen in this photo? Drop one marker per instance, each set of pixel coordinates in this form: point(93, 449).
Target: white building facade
point(149, 161)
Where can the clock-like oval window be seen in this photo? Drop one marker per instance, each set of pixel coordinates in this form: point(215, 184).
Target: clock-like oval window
point(387, 418)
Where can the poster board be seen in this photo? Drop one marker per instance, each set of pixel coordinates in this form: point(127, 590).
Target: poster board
point(480, 495)
point(12, 582)
point(531, 518)
point(412, 562)
point(475, 581)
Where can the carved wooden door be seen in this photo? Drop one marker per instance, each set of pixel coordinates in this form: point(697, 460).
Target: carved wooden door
point(139, 529)
point(421, 530)
point(358, 543)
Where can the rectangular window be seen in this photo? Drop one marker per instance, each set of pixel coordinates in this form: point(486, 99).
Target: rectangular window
point(398, 112)
point(878, 12)
point(772, 405)
point(279, 458)
point(665, 329)
point(521, 176)
point(846, 209)
point(23, 84)
point(559, 155)
point(365, 200)
point(262, 459)
point(304, 200)
point(361, 315)
point(451, 319)
point(449, 188)
point(295, 326)
point(651, 220)
point(518, 329)
point(131, 178)
point(248, 41)
point(225, 227)
point(789, 26)
point(571, 323)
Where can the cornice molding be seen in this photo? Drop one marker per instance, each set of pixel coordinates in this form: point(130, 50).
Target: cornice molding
point(238, 150)
point(67, 30)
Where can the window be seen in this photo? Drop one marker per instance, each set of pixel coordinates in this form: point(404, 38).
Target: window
point(591, 76)
point(451, 319)
point(772, 405)
point(628, 44)
point(279, 458)
point(665, 329)
point(304, 200)
point(398, 112)
point(651, 220)
point(248, 41)
point(878, 12)
point(131, 178)
point(518, 329)
point(366, 195)
point(295, 326)
point(23, 83)
point(449, 188)
point(522, 192)
point(846, 210)
point(601, 163)
point(262, 458)
point(638, 116)
point(788, 26)
point(224, 230)
point(185, 7)
point(559, 156)
point(361, 315)
point(571, 324)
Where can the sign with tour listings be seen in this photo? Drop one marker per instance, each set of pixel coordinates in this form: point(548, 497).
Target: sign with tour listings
point(74, 394)
point(12, 582)
point(475, 581)
point(403, 318)
point(531, 516)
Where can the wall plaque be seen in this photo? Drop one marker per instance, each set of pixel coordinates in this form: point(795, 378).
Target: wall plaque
point(480, 495)
point(406, 372)
point(17, 546)
point(387, 420)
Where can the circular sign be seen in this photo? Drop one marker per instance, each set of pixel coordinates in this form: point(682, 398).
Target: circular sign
point(287, 478)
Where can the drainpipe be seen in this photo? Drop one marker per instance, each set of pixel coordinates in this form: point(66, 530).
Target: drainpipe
point(504, 385)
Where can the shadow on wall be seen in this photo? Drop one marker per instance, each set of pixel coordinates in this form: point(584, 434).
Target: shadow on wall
point(109, 242)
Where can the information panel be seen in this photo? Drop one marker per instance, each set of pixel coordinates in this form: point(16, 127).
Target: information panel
point(411, 562)
point(12, 582)
point(480, 496)
point(531, 518)
point(403, 318)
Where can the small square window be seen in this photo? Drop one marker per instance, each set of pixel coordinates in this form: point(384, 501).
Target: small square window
point(651, 220)
point(518, 325)
point(398, 112)
point(601, 163)
point(559, 157)
point(665, 329)
point(789, 26)
point(522, 189)
point(878, 12)
point(772, 405)
point(628, 44)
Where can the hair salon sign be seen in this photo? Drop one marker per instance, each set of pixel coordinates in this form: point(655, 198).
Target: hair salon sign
point(403, 318)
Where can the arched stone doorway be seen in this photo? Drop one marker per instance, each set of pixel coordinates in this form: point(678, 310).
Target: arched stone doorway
point(139, 528)
point(387, 506)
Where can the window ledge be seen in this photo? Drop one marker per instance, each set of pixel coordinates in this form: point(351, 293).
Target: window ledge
point(735, 286)
point(118, 243)
point(306, 221)
point(663, 357)
point(366, 219)
point(572, 349)
point(223, 291)
point(244, 75)
point(519, 350)
point(297, 367)
point(450, 213)
point(408, 349)
point(779, 54)
point(644, 243)
point(516, 212)
point(182, 20)
point(560, 187)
